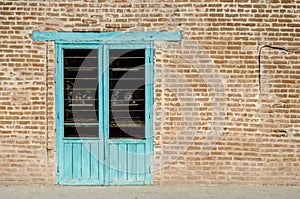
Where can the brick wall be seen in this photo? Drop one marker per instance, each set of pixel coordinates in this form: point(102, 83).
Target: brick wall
point(213, 125)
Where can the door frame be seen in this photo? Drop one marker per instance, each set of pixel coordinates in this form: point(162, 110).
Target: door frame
point(103, 136)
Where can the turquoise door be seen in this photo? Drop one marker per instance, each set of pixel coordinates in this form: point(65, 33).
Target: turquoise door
point(104, 97)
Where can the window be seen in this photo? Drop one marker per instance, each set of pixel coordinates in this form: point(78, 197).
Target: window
point(127, 93)
point(81, 93)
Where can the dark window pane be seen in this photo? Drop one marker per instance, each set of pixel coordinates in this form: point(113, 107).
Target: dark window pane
point(127, 93)
point(81, 93)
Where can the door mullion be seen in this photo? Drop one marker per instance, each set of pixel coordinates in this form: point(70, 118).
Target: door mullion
point(105, 102)
point(101, 117)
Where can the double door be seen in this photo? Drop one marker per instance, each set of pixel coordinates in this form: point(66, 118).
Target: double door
point(104, 98)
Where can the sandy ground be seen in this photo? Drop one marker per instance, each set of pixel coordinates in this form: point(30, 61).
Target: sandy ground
point(145, 192)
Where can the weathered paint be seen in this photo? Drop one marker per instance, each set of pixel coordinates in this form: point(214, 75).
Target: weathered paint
point(129, 160)
point(79, 160)
point(106, 36)
point(104, 161)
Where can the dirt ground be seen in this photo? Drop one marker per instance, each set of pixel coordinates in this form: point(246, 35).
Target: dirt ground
point(145, 192)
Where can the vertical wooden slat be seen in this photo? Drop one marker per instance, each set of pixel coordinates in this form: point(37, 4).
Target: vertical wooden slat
point(123, 162)
point(132, 162)
point(68, 161)
point(86, 161)
point(113, 166)
point(77, 166)
point(94, 161)
point(140, 162)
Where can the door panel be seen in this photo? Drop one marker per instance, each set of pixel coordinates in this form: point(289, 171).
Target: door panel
point(127, 163)
point(81, 163)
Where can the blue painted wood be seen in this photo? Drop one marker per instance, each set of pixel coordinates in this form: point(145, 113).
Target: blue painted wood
point(123, 158)
point(74, 160)
point(141, 169)
point(127, 141)
point(104, 161)
point(127, 164)
point(132, 162)
point(89, 174)
point(101, 105)
point(83, 169)
point(60, 175)
point(105, 94)
point(86, 161)
point(68, 162)
point(149, 110)
point(77, 161)
point(105, 36)
point(96, 165)
point(113, 167)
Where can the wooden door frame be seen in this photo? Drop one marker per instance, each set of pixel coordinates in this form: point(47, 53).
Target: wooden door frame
point(103, 138)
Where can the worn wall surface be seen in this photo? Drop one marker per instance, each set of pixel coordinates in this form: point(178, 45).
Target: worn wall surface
point(219, 117)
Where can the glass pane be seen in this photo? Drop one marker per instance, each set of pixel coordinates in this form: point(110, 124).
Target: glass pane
point(81, 93)
point(127, 93)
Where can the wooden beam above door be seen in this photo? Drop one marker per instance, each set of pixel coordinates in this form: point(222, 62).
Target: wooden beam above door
point(105, 36)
